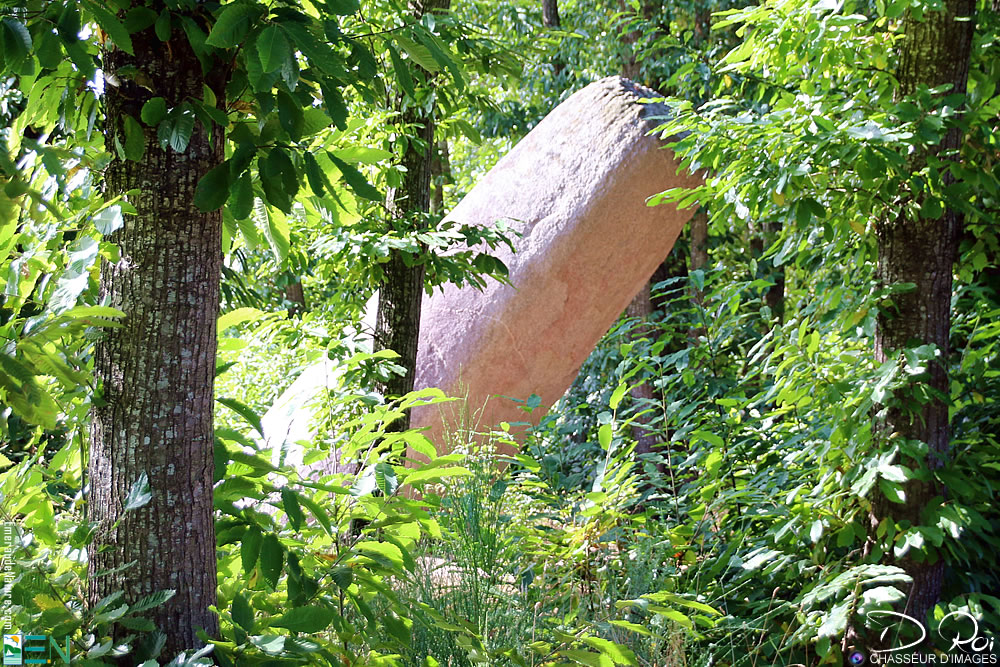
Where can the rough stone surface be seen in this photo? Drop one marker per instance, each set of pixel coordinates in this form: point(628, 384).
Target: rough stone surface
point(575, 188)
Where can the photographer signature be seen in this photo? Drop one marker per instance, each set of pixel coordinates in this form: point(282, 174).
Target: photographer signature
point(972, 643)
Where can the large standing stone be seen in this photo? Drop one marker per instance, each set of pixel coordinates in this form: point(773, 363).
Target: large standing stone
point(576, 189)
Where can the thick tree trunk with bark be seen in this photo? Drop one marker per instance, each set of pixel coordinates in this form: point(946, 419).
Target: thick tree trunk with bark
point(920, 251)
point(397, 322)
point(153, 413)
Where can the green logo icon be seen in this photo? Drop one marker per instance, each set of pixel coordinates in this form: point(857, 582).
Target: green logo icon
point(12, 649)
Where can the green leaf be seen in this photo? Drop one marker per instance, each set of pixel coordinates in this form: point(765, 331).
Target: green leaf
point(315, 175)
point(418, 53)
point(343, 7)
point(588, 658)
point(894, 492)
point(272, 558)
point(931, 208)
point(290, 115)
point(617, 395)
point(164, 25)
point(278, 165)
point(356, 180)
point(709, 437)
point(619, 654)
point(135, 139)
point(237, 317)
point(270, 644)
point(273, 48)
point(435, 474)
point(310, 620)
point(138, 19)
point(604, 434)
point(250, 549)
point(666, 596)
point(402, 72)
point(318, 512)
point(109, 219)
point(314, 121)
point(153, 111)
point(212, 190)
point(15, 41)
point(151, 600)
point(233, 25)
point(362, 154)
point(290, 502)
point(242, 613)
point(387, 554)
point(469, 131)
point(175, 130)
point(335, 105)
point(244, 411)
point(278, 235)
point(111, 25)
point(385, 478)
point(241, 197)
point(139, 495)
point(316, 50)
point(342, 576)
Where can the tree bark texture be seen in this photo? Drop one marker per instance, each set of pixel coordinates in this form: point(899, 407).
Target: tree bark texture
point(550, 13)
point(642, 394)
point(397, 321)
point(699, 250)
point(154, 411)
point(440, 175)
point(935, 51)
point(550, 19)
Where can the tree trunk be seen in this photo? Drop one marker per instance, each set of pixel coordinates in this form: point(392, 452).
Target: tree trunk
point(550, 13)
point(775, 295)
point(295, 295)
point(153, 413)
point(935, 52)
point(397, 321)
point(699, 249)
point(642, 394)
point(440, 174)
point(550, 19)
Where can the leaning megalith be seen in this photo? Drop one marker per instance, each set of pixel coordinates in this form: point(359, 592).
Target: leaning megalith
point(575, 188)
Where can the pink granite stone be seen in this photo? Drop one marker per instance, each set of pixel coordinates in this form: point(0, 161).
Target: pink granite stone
point(575, 188)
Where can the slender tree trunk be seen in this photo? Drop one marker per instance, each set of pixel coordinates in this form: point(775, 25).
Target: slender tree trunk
point(631, 67)
point(397, 321)
point(760, 239)
point(642, 394)
point(935, 51)
point(699, 249)
point(440, 174)
point(153, 413)
point(775, 296)
point(295, 295)
point(550, 19)
point(550, 13)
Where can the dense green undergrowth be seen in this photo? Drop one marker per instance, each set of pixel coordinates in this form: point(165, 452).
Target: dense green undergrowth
point(740, 540)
